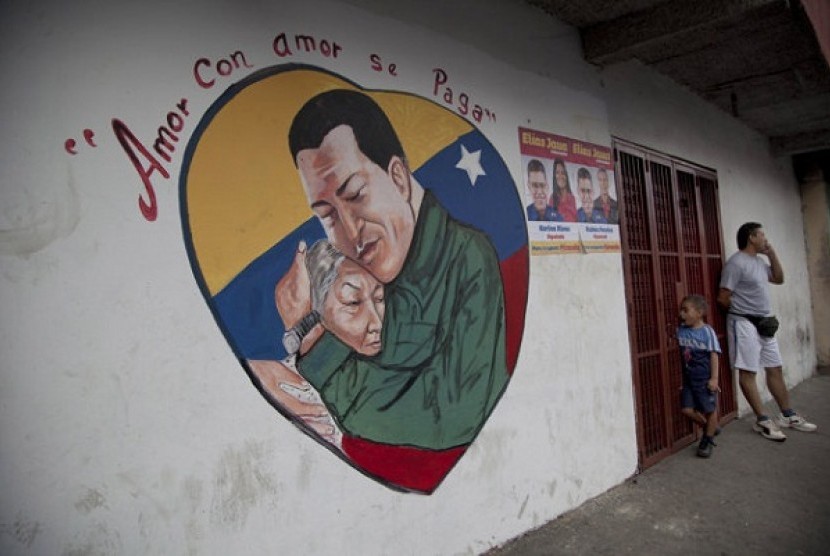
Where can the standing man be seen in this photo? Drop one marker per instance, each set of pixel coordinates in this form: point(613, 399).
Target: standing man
point(744, 291)
point(537, 182)
point(605, 203)
point(585, 188)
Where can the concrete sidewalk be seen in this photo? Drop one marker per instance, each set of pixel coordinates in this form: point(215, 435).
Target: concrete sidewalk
point(753, 496)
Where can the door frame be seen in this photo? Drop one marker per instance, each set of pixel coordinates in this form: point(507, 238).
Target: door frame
point(708, 236)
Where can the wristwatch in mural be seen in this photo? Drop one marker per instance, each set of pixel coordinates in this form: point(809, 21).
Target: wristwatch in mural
point(293, 337)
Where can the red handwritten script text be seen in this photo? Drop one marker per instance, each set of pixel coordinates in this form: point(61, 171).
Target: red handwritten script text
point(462, 102)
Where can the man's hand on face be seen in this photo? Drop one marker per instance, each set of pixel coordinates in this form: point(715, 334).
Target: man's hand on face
point(293, 292)
point(767, 249)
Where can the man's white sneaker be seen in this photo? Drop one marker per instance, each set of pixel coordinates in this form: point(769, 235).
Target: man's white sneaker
point(769, 430)
point(796, 422)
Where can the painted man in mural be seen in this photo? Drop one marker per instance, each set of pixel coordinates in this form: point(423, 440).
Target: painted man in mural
point(442, 365)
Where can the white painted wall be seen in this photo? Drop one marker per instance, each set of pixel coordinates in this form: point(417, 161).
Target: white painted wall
point(126, 423)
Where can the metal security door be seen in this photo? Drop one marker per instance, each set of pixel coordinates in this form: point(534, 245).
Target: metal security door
point(670, 230)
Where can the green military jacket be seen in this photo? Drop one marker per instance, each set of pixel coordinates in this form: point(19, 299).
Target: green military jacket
point(442, 367)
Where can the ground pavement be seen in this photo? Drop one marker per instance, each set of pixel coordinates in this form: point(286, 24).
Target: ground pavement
point(753, 496)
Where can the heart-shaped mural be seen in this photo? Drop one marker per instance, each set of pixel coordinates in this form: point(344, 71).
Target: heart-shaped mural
point(388, 233)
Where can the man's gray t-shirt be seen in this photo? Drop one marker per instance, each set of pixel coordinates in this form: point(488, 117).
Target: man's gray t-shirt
point(747, 277)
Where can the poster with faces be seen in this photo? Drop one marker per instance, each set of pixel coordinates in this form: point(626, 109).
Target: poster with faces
point(570, 195)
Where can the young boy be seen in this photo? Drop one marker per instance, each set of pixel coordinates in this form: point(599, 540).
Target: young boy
point(699, 350)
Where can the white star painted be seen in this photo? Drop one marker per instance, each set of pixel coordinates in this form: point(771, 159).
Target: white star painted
point(471, 163)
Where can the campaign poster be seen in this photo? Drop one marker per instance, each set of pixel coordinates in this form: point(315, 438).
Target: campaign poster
point(571, 198)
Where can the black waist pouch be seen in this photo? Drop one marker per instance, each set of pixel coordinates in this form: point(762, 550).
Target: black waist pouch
point(766, 326)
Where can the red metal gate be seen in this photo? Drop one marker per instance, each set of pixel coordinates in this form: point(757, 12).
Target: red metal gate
point(670, 230)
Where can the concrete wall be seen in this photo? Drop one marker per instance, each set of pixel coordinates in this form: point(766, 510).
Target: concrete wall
point(127, 424)
point(814, 192)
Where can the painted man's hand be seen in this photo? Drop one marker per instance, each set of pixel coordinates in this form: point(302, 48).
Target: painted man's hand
point(293, 292)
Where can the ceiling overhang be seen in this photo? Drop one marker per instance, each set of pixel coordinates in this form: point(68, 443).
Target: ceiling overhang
point(759, 60)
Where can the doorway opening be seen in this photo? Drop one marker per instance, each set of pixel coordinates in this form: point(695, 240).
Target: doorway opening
point(671, 245)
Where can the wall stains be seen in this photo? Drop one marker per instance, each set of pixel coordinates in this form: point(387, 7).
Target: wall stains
point(31, 219)
point(552, 488)
point(239, 484)
point(23, 531)
point(193, 496)
point(95, 541)
point(524, 506)
point(135, 490)
point(91, 500)
point(305, 469)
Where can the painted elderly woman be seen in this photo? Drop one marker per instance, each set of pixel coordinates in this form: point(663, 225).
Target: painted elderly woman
point(348, 302)
point(345, 299)
point(383, 420)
